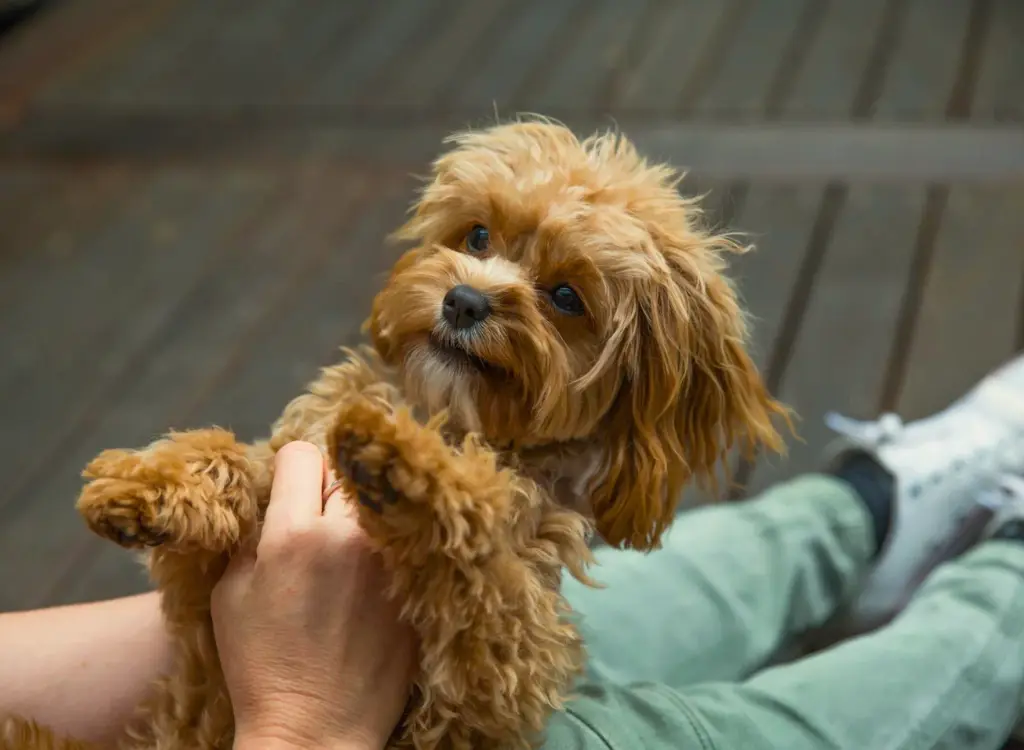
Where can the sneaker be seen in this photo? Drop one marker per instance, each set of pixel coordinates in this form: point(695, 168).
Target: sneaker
point(945, 469)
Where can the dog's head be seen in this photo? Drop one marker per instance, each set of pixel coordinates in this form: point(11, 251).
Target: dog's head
point(562, 290)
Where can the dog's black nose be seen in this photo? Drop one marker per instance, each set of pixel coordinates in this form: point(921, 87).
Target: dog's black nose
point(464, 306)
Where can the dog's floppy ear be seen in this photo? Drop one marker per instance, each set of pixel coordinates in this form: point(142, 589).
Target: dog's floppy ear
point(691, 393)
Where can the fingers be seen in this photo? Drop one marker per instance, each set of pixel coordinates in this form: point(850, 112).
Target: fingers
point(296, 497)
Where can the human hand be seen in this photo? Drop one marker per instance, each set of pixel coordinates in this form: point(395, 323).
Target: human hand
point(313, 653)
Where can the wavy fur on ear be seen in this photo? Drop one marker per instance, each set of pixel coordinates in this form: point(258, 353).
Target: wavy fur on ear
point(692, 393)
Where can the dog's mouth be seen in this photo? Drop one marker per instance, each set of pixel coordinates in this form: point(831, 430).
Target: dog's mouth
point(453, 354)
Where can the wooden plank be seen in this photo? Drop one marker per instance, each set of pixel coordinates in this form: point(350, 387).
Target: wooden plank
point(878, 151)
point(882, 152)
point(128, 75)
point(324, 27)
point(579, 79)
point(841, 354)
point(21, 189)
point(1000, 90)
point(229, 63)
point(223, 316)
point(273, 260)
point(926, 62)
point(71, 290)
point(777, 220)
point(201, 55)
point(827, 83)
point(970, 314)
point(434, 62)
point(142, 272)
point(393, 26)
point(667, 56)
point(85, 300)
point(213, 28)
point(505, 62)
point(741, 87)
point(328, 313)
point(47, 225)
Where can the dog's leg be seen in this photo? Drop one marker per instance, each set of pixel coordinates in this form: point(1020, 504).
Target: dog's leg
point(192, 497)
point(476, 554)
point(190, 492)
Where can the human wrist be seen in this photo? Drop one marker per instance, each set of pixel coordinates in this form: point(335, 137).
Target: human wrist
point(279, 742)
point(276, 738)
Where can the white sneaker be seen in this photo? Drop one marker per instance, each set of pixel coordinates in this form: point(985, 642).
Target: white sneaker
point(945, 469)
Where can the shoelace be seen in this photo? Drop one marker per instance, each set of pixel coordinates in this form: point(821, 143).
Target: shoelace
point(868, 433)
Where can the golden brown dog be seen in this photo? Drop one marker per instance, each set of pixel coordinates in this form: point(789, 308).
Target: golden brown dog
point(559, 351)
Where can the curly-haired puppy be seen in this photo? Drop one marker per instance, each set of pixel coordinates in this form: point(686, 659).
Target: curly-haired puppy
point(559, 351)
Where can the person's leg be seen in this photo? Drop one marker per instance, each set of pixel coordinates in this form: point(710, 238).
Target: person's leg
point(729, 584)
point(734, 582)
point(948, 672)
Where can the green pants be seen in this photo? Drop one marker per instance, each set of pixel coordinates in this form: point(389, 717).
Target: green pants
point(679, 639)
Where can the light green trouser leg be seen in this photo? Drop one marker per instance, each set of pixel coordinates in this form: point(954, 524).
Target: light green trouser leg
point(730, 583)
point(735, 581)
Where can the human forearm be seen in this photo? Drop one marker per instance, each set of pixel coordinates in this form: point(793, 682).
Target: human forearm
point(82, 669)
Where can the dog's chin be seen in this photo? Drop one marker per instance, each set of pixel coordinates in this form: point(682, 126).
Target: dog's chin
point(459, 361)
point(444, 378)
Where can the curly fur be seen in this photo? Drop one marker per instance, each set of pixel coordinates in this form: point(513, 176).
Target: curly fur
point(482, 459)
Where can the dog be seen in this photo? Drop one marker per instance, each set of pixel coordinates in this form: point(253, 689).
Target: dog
point(559, 353)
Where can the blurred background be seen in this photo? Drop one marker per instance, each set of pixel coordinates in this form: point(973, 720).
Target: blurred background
point(194, 196)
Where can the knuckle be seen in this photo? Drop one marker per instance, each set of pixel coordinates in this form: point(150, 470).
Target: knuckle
point(297, 449)
point(297, 540)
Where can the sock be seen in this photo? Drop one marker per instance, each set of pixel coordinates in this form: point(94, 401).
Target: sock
point(1012, 530)
point(875, 488)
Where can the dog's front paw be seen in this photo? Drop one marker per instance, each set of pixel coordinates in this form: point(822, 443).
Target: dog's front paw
point(417, 493)
point(191, 490)
point(364, 451)
point(121, 507)
point(120, 504)
point(369, 480)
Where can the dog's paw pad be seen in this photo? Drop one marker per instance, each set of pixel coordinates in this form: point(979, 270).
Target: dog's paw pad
point(373, 489)
point(125, 521)
point(128, 531)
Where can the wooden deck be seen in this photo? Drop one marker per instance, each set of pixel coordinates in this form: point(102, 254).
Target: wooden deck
point(194, 194)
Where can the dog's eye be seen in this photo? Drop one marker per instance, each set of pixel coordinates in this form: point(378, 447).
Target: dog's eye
point(564, 298)
point(478, 239)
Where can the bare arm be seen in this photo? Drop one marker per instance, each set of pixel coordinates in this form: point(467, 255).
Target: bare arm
point(82, 669)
